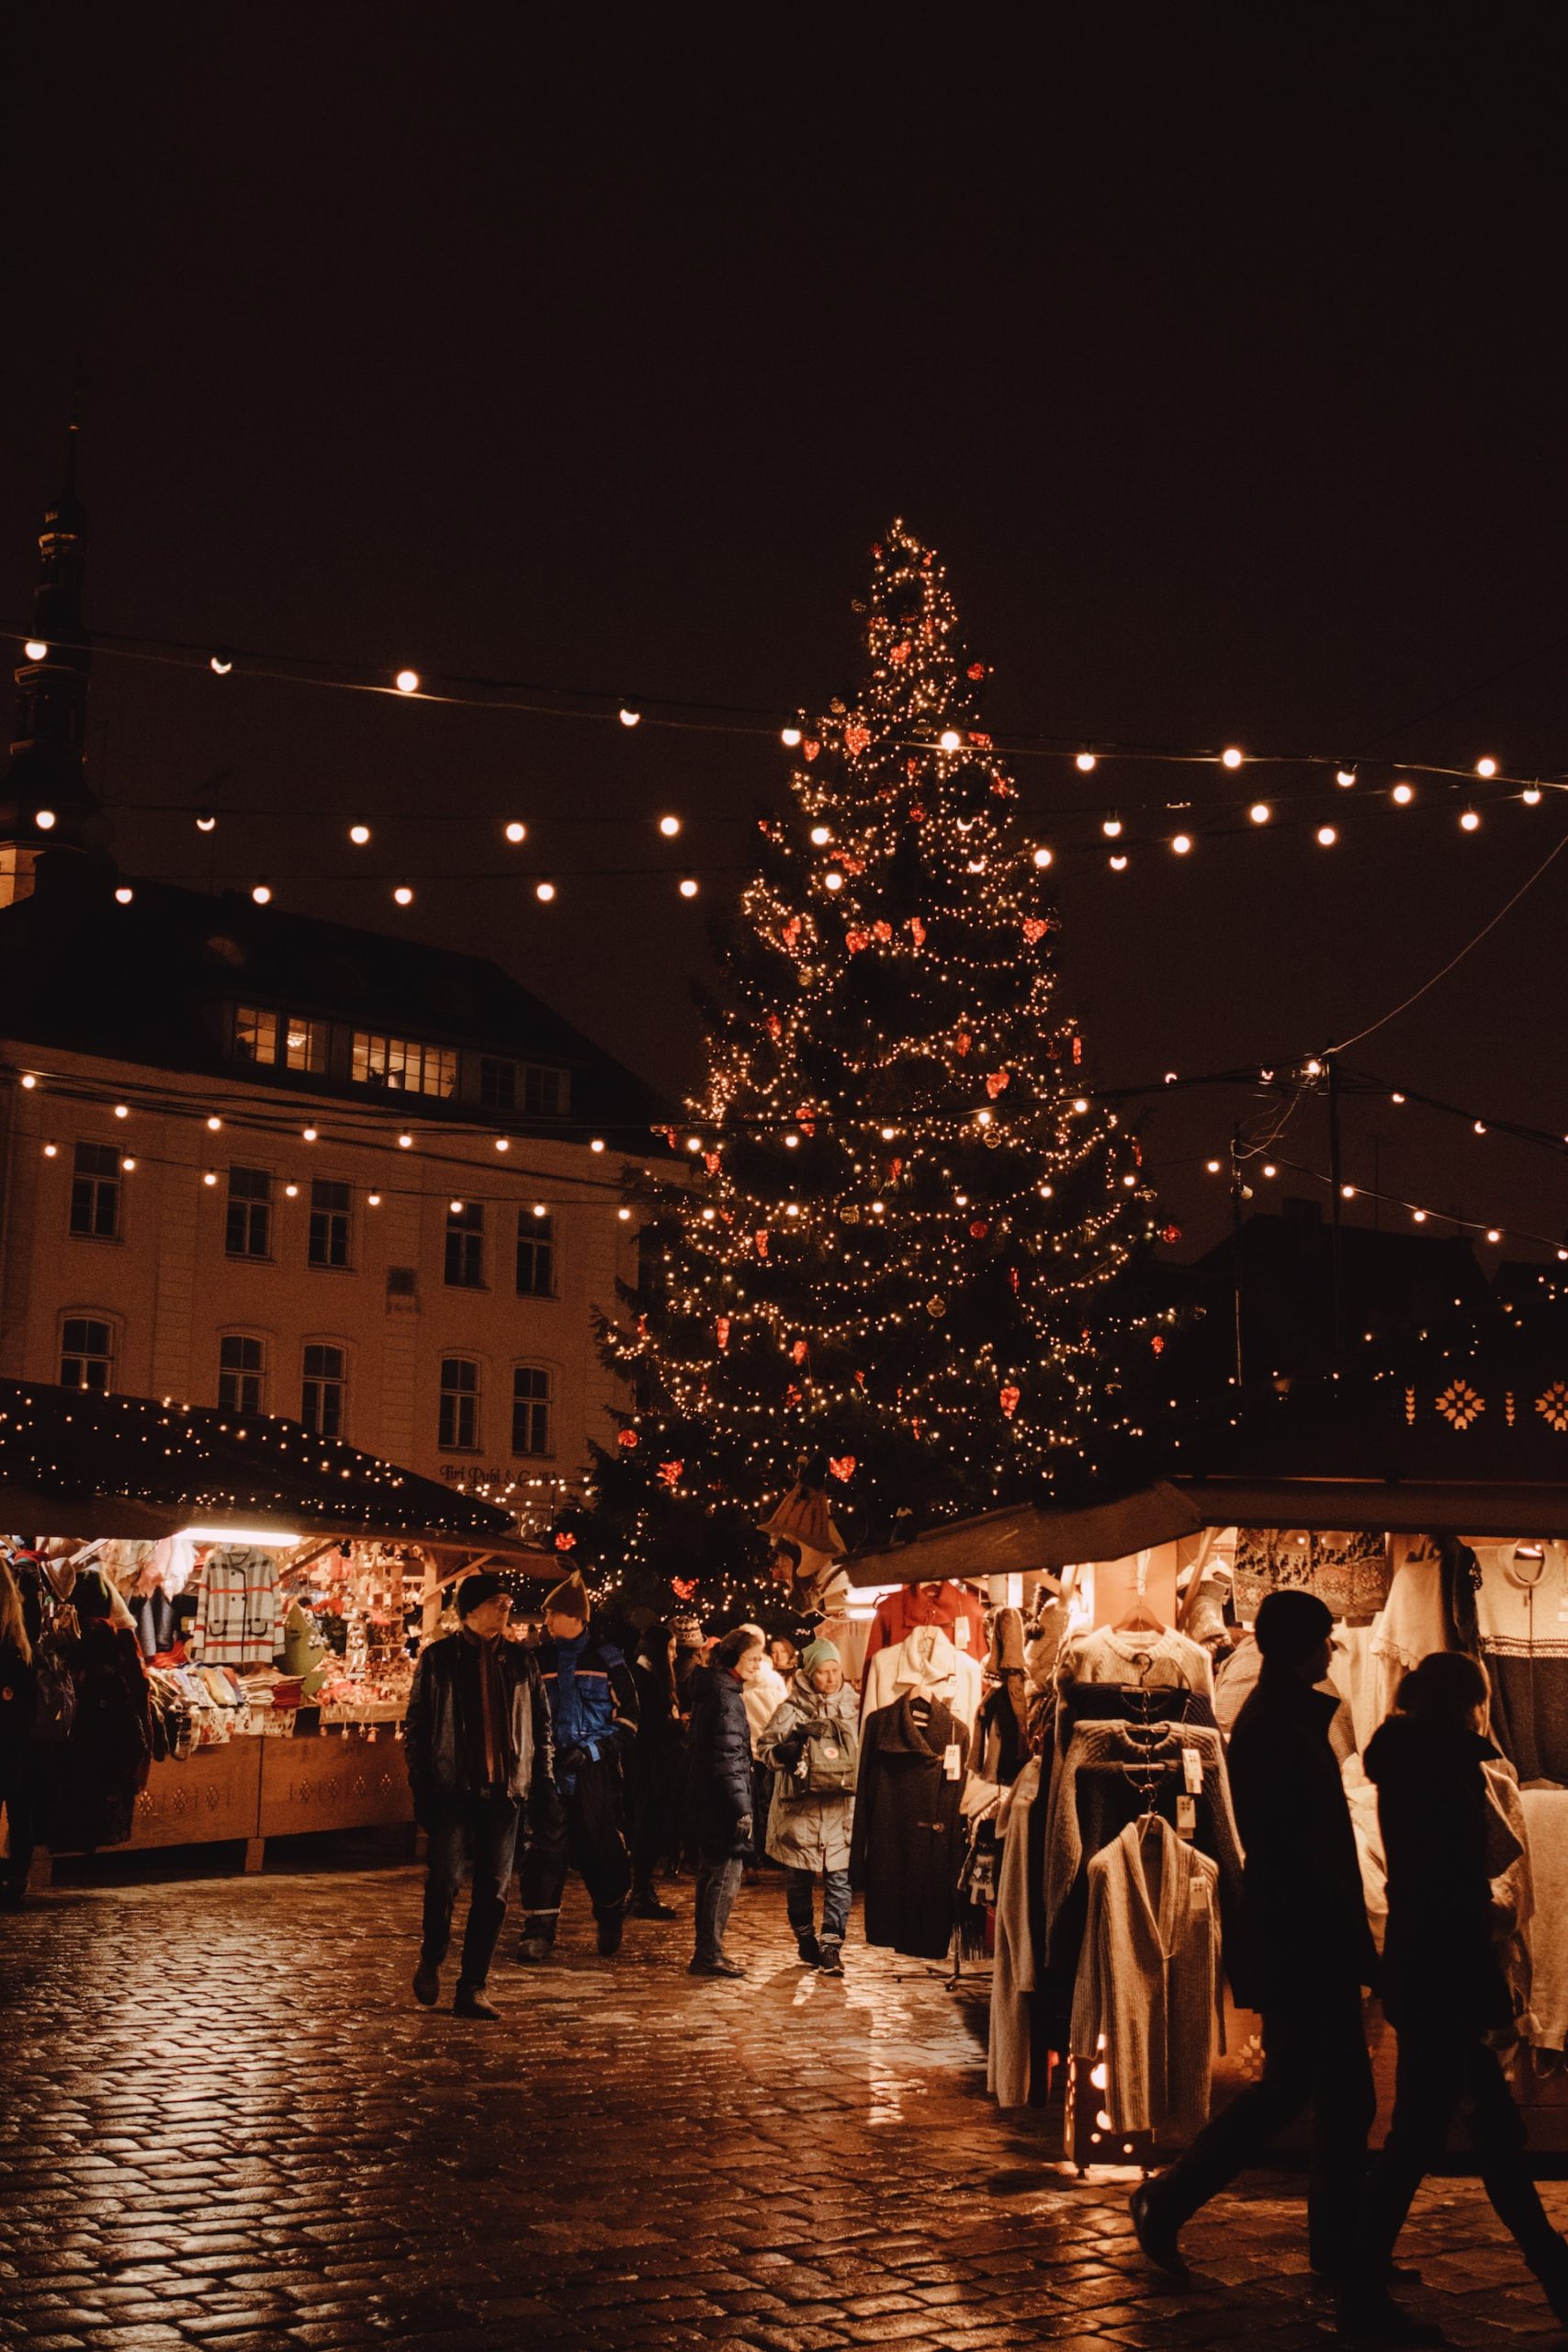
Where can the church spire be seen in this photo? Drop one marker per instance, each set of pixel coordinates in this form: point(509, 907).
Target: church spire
point(47, 774)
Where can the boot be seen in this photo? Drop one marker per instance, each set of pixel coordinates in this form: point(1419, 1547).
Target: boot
point(831, 1962)
point(646, 1904)
point(427, 1983)
point(470, 2002)
point(538, 1941)
point(720, 1965)
point(806, 1945)
point(1159, 2238)
point(612, 1928)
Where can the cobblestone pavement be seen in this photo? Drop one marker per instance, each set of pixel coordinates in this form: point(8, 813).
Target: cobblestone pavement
point(226, 2125)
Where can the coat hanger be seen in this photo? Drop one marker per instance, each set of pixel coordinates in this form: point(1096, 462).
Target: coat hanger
point(1140, 1618)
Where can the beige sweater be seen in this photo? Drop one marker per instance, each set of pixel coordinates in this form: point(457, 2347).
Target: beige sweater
point(1012, 1978)
point(1149, 1980)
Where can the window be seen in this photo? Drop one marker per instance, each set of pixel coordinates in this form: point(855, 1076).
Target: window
point(459, 1430)
point(242, 1371)
point(331, 1216)
point(247, 1229)
point(94, 1191)
point(256, 1034)
point(304, 1043)
point(498, 1082)
point(536, 1255)
point(403, 1062)
point(86, 1353)
point(325, 1388)
point(465, 1245)
point(544, 1092)
point(531, 1409)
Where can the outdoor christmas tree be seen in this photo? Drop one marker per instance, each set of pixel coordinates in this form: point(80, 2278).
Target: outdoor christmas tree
point(899, 1249)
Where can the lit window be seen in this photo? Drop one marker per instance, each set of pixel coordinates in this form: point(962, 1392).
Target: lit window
point(87, 1353)
point(332, 1217)
point(247, 1231)
point(325, 1388)
point(403, 1064)
point(302, 1042)
point(459, 1426)
point(94, 1191)
point(465, 1245)
point(531, 1409)
point(536, 1255)
point(242, 1371)
point(256, 1034)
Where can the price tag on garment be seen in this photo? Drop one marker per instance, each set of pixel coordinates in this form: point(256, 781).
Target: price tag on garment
point(952, 1762)
point(1192, 1771)
point(1186, 1816)
point(961, 1634)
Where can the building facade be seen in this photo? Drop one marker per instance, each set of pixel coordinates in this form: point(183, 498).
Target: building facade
point(285, 1166)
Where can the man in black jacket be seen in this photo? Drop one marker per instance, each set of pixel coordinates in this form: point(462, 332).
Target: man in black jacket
point(476, 1739)
point(1302, 1956)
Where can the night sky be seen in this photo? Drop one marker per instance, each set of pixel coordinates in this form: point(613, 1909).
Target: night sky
point(1220, 352)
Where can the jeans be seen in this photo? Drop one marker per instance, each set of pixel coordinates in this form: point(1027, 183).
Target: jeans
point(1314, 2049)
point(800, 1889)
point(482, 1831)
point(1442, 2071)
point(588, 1834)
point(718, 1881)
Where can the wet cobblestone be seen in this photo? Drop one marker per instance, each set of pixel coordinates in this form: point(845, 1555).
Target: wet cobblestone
point(226, 2126)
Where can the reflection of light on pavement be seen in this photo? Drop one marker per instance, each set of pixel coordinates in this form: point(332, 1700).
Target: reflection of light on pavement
point(887, 2019)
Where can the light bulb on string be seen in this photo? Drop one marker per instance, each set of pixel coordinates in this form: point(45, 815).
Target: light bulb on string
point(1471, 821)
point(628, 717)
point(36, 650)
point(1085, 763)
point(820, 836)
point(544, 892)
point(206, 822)
point(670, 827)
point(402, 896)
point(124, 895)
point(1111, 828)
point(262, 893)
point(1230, 757)
point(214, 1124)
point(1493, 1233)
point(789, 736)
point(1118, 865)
point(1181, 844)
point(220, 662)
point(44, 818)
point(405, 1143)
point(1327, 836)
point(503, 1143)
point(1404, 794)
point(1488, 767)
point(1043, 857)
point(407, 682)
point(1345, 777)
point(688, 886)
point(359, 835)
point(1419, 1216)
point(1530, 796)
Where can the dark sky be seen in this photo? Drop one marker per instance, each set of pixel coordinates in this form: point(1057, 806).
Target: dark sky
point(1220, 351)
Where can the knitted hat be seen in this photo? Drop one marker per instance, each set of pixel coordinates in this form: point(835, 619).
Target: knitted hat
point(816, 1654)
point(570, 1599)
point(687, 1630)
point(1291, 1624)
point(474, 1590)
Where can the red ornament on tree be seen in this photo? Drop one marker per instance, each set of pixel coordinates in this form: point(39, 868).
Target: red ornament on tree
point(565, 1543)
point(979, 1229)
point(842, 1465)
point(811, 749)
point(670, 1471)
point(1034, 927)
point(1008, 1399)
point(996, 1082)
point(857, 739)
point(683, 1588)
point(976, 670)
point(1171, 1233)
point(762, 1242)
point(799, 1351)
point(899, 653)
point(721, 1331)
point(963, 1041)
point(710, 1161)
point(916, 930)
point(1158, 1344)
point(855, 940)
point(882, 931)
point(775, 1026)
point(629, 1438)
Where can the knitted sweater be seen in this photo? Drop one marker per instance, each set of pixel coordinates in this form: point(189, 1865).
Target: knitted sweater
point(1012, 1979)
point(1098, 1787)
point(1149, 1980)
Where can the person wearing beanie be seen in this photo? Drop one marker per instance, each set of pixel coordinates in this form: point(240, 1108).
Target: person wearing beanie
point(720, 1794)
point(1302, 1956)
point(477, 1742)
point(811, 1748)
point(594, 1712)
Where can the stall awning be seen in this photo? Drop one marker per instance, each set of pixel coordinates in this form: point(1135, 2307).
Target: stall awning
point(1028, 1536)
point(73, 1462)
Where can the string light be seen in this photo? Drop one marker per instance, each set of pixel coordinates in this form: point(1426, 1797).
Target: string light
point(1181, 844)
point(44, 818)
point(213, 1123)
point(221, 663)
point(1261, 812)
point(28, 1080)
point(1085, 763)
point(124, 895)
point(628, 717)
point(36, 650)
point(1111, 828)
point(51, 1151)
point(405, 1142)
point(820, 836)
point(1042, 857)
point(374, 1200)
point(122, 1110)
point(291, 1191)
point(309, 1134)
point(359, 835)
point(206, 823)
point(407, 682)
point(516, 831)
point(789, 736)
point(670, 827)
point(1488, 767)
point(1213, 1165)
point(596, 1143)
point(1327, 836)
point(689, 887)
point(262, 893)
point(1404, 794)
point(1345, 777)
point(950, 740)
point(503, 1143)
point(211, 1177)
point(1470, 822)
point(402, 896)
point(833, 880)
point(545, 891)
point(1230, 757)
point(1118, 865)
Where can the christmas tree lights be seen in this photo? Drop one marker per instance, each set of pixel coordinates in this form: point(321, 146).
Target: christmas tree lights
point(899, 1251)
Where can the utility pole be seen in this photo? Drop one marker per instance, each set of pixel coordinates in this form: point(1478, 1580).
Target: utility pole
point(1336, 1179)
point(1236, 1245)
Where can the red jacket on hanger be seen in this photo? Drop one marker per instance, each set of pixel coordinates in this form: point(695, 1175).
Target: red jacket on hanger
point(946, 1605)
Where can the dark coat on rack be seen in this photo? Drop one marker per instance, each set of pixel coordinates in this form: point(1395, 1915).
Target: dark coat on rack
point(1303, 1917)
point(907, 1846)
point(91, 1784)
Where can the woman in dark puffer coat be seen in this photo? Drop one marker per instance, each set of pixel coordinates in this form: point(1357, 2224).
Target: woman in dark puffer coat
point(718, 1793)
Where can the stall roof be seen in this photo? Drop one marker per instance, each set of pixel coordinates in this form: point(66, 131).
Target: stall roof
point(74, 1462)
point(1462, 1432)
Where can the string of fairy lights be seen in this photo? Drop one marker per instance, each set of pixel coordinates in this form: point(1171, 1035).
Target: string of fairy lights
point(364, 1127)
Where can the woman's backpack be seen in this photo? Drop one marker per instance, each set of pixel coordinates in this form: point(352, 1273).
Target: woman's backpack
point(828, 1757)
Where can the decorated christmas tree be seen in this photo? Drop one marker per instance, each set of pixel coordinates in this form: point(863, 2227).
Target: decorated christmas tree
point(897, 1250)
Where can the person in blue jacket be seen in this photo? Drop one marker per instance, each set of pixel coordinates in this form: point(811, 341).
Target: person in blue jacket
point(593, 1709)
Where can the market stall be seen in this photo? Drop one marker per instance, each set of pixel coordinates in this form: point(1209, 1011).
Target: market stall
point(278, 1585)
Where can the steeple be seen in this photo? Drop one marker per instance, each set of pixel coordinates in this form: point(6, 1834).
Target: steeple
point(47, 774)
